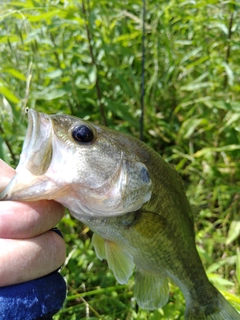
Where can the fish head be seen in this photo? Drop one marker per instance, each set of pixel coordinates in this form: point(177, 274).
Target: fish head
point(90, 169)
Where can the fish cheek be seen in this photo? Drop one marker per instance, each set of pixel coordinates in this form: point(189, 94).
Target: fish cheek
point(40, 162)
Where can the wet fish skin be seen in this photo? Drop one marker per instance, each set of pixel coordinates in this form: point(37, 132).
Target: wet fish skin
point(131, 198)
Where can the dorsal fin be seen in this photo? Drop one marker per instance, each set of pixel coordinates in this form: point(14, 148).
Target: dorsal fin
point(151, 290)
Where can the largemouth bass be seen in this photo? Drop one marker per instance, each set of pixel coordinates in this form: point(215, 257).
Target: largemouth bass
point(131, 199)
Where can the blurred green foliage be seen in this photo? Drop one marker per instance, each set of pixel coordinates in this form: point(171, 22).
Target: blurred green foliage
point(84, 58)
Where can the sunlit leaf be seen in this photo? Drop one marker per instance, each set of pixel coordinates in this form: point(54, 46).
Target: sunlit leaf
point(221, 26)
point(54, 94)
point(43, 16)
point(196, 86)
point(219, 282)
point(238, 266)
point(227, 148)
point(15, 73)
point(3, 151)
point(190, 125)
point(229, 72)
point(8, 94)
point(54, 74)
point(234, 231)
point(92, 75)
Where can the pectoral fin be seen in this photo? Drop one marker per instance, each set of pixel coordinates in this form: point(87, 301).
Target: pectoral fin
point(119, 261)
point(99, 246)
point(151, 290)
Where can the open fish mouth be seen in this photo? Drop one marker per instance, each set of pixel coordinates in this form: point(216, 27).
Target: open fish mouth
point(35, 158)
point(37, 147)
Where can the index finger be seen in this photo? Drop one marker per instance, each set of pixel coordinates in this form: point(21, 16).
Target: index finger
point(22, 220)
point(6, 173)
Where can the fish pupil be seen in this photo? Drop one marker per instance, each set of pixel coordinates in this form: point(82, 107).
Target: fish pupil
point(82, 133)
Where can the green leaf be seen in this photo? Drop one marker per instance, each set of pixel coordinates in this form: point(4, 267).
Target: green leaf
point(196, 86)
point(3, 153)
point(205, 151)
point(238, 266)
point(220, 282)
point(9, 38)
point(191, 54)
point(9, 94)
point(221, 26)
point(92, 75)
point(54, 74)
point(190, 125)
point(25, 4)
point(234, 231)
point(15, 73)
point(229, 120)
point(127, 37)
point(44, 16)
point(53, 94)
point(229, 72)
point(223, 262)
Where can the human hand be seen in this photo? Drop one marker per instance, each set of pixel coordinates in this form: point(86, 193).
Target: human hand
point(28, 248)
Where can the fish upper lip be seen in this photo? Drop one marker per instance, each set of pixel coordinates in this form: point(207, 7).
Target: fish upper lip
point(29, 138)
point(33, 125)
point(37, 141)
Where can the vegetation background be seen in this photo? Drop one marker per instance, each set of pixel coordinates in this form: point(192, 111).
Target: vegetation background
point(84, 58)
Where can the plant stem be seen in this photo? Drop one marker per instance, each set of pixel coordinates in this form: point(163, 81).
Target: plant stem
point(143, 71)
point(228, 47)
point(97, 291)
point(70, 105)
point(97, 85)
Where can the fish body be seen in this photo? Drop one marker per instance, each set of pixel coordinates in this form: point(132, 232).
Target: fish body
point(131, 199)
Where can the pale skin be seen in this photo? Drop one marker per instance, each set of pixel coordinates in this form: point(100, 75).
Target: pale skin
point(28, 248)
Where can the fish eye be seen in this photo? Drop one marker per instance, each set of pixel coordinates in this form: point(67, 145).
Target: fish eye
point(82, 133)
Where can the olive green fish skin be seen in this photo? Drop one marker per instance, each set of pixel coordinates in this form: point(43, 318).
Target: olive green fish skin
point(131, 198)
point(160, 235)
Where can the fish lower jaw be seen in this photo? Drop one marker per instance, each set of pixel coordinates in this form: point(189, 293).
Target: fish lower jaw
point(25, 186)
point(90, 208)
